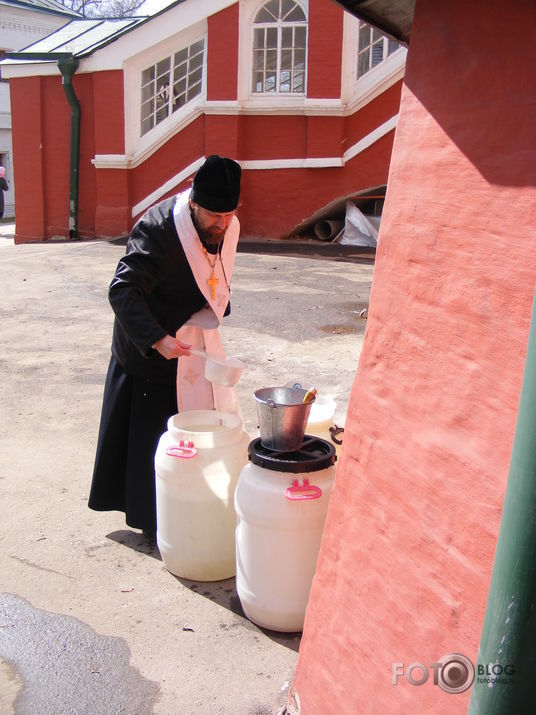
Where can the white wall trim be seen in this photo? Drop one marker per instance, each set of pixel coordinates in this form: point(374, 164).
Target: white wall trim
point(111, 161)
point(144, 204)
point(316, 163)
point(370, 138)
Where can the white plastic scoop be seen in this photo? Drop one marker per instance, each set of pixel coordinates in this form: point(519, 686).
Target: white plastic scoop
point(221, 370)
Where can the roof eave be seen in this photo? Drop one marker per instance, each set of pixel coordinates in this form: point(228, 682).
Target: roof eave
point(393, 17)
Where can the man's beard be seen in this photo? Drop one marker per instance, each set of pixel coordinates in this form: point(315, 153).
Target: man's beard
point(210, 236)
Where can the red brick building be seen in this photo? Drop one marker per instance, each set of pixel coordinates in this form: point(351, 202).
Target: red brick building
point(302, 97)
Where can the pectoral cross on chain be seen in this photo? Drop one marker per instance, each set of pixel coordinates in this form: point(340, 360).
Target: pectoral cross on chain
point(212, 283)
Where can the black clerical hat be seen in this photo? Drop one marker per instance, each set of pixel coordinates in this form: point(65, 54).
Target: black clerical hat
point(217, 184)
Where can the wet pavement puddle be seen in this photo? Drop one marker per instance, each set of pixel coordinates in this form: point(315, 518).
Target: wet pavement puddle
point(66, 667)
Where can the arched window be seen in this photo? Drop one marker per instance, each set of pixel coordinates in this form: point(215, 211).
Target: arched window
point(279, 48)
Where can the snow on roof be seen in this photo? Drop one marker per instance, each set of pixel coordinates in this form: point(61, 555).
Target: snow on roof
point(80, 37)
point(45, 5)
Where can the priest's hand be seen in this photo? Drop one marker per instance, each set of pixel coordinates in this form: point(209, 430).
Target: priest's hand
point(170, 347)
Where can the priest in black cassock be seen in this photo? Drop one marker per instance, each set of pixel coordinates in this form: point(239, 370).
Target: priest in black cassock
point(169, 294)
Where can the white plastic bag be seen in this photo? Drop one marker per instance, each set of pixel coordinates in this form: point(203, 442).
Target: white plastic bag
point(358, 230)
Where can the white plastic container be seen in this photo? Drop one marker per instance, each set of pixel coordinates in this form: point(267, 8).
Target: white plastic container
point(197, 464)
point(320, 422)
point(280, 520)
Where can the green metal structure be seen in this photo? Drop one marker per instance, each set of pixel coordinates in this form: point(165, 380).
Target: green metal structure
point(505, 677)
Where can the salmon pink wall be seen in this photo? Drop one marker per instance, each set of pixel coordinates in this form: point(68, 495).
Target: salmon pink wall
point(180, 151)
point(408, 547)
point(325, 49)
point(379, 110)
point(109, 112)
point(325, 136)
point(41, 136)
point(26, 106)
point(222, 57)
point(222, 135)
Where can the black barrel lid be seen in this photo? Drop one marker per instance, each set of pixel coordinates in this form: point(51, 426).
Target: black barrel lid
point(314, 454)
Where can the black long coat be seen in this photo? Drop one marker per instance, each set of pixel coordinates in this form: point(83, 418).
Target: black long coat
point(153, 293)
point(3, 187)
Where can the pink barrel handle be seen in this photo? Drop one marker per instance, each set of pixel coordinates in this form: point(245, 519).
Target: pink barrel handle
point(299, 491)
point(185, 450)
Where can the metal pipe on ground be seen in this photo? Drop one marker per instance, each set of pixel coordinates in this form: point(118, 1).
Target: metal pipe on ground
point(327, 230)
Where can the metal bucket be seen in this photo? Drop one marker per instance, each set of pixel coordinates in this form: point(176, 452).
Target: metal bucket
point(282, 417)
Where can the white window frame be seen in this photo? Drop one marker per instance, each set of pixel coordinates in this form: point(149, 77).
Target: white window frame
point(165, 95)
point(268, 101)
point(357, 92)
point(385, 40)
point(279, 26)
point(136, 144)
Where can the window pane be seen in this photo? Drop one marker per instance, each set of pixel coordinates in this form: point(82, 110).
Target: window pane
point(196, 62)
point(298, 83)
point(162, 86)
point(179, 88)
point(162, 114)
point(392, 47)
point(269, 83)
point(300, 37)
point(364, 37)
point(163, 66)
point(147, 109)
point(258, 85)
point(147, 75)
point(263, 16)
point(296, 15)
point(271, 60)
point(147, 125)
point(377, 53)
point(196, 47)
point(271, 37)
point(180, 70)
point(195, 77)
point(147, 92)
point(162, 99)
point(179, 101)
point(258, 60)
point(194, 91)
point(258, 38)
point(286, 59)
point(268, 12)
point(286, 7)
point(299, 59)
point(286, 37)
point(363, 64)
point(376, 35)
point(181, 56)
point(285, 82)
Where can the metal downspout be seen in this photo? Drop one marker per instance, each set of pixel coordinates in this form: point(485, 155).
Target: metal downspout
point(507, 652)
point(68, 67)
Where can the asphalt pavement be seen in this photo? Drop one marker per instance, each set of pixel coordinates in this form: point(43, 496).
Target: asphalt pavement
point(90, 619)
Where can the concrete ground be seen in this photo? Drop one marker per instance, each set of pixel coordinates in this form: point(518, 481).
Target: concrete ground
point(90, 619)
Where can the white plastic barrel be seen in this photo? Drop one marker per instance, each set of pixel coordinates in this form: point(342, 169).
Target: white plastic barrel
point(280, 520)
point(320, 421)
point(197, 463)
